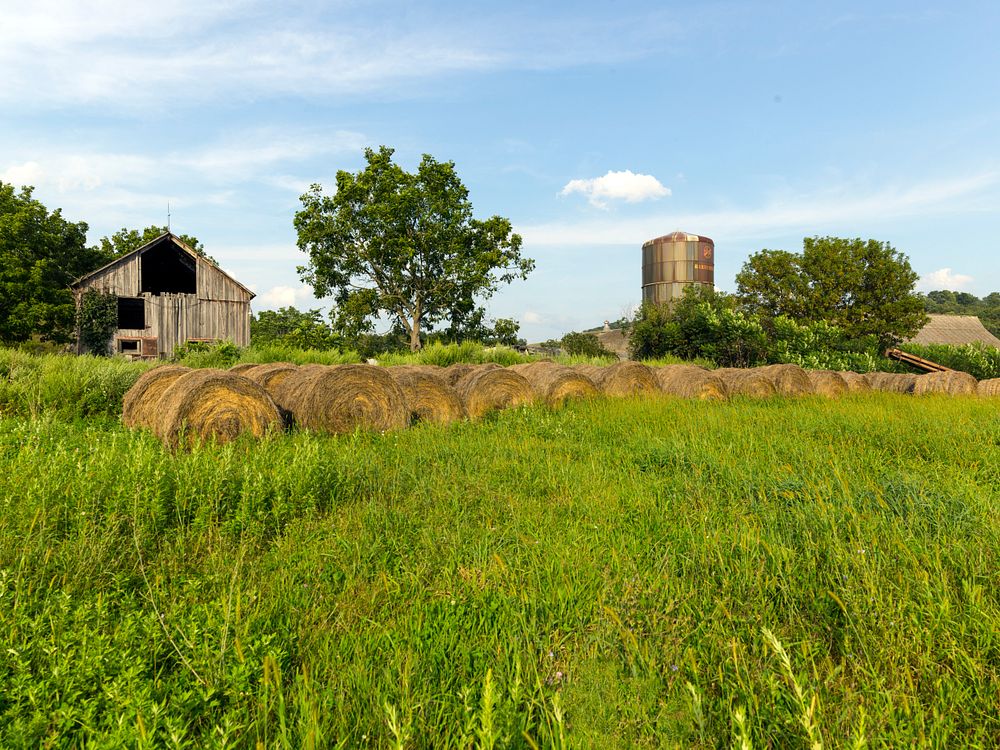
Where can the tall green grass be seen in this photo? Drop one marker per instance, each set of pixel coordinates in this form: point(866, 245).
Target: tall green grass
point(619, 573)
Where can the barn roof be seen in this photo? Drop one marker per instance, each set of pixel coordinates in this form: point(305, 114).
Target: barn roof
point(156, 240)
point(955, 329)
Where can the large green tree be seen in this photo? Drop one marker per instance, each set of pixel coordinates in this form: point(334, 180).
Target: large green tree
point(864, 287)
point(41, 253)
point(403, 245)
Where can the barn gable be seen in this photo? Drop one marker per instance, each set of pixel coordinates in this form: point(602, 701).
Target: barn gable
point(167, 295)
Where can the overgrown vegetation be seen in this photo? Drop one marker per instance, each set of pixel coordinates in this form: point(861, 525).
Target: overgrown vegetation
point(97, 320)
point(585, 345)
point(714, 326)
point(582, 577)
point(978, 360)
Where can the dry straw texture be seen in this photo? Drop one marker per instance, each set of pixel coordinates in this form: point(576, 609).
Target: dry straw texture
point(454, 373)
point(746, 382)
point(555, 384)
point(989, 387)
point(343, 398)
point(622, 379)
point(428, 396)
point(789, 380)
point(489, 389)
point(690, 381)
point(856, 382)
point(953, 383)
point(142, 401)
point(891, 382)
point(215, 405)
point(271, 374)
point(828, 383)
point(242, 367)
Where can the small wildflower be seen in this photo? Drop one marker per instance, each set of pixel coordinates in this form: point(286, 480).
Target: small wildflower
point(673, 667)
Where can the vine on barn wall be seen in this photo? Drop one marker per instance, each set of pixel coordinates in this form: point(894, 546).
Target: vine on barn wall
point(97, 318)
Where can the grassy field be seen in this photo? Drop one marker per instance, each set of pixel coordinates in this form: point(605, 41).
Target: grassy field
point(651, 573)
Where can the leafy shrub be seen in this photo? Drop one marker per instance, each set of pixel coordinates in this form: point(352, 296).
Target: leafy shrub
point(711, 325)
point(221, 354)
point(97, 319)
point(585, 345)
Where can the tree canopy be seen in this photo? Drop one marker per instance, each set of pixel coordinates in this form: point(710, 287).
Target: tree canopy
point(41, 253)
point(404, 245)
point(864, 287)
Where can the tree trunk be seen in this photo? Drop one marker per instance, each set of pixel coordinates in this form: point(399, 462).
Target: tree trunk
point(415, 328)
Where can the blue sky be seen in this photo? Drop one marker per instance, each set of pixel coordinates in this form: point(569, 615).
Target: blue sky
point(592, 126)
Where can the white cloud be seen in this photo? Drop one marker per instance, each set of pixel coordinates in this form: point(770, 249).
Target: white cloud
point(943, 278)
point(625, 185)
point(531, 317)
point(840, 209)
point(28, 173)
point(283, 296)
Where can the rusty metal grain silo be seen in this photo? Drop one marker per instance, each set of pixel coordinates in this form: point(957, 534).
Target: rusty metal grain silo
point(674, 262)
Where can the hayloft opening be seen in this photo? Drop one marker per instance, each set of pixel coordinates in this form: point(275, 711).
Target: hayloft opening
point(131, 312)
point(166, 269)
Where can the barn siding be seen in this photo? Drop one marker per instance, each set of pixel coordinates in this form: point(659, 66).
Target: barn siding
point(215, 285)
point(121, 279)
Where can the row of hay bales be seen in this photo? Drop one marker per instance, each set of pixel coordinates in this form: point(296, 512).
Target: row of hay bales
point(178, 404)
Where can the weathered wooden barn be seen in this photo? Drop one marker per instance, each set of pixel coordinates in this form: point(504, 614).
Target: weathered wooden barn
point(169, 295)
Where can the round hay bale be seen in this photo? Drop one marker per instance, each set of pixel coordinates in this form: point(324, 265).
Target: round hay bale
point(141, 404)
point(271, 374)
point(989, 388)
point(827, 383)
point(622, 379)
point(891, 382)
point(343, 398)
point(789, 380)
point(691, 381)
point(555, 384)
point(953, 383)
point(215, 405)
point(749, 383)
point(242, 367)
point(856, 382)
point(454, 373)
point(491, 389)
point(428, 397)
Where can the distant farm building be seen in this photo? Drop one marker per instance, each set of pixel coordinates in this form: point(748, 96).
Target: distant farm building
point(169, 295)
point(675, 262)
point(955, 329)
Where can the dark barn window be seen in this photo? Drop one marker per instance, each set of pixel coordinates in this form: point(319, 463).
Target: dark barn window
point(131, 312)
point(166, 269)
point(128, 346)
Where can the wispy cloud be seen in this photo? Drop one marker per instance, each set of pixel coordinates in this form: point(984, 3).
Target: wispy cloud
point(625, 185)
point(62, 52)
point(831, 208)
point(107, 187)
point(943, 278)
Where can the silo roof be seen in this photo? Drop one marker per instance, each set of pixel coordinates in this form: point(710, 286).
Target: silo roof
point(680, 237)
